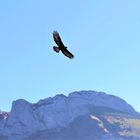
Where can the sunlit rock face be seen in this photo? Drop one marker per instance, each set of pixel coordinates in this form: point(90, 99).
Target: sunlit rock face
point(81, 115)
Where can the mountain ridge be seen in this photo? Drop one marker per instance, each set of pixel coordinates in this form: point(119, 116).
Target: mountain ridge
point(60, 111)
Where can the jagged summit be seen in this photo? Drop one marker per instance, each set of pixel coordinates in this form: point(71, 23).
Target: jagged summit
point(82, 97)
point(61, 112)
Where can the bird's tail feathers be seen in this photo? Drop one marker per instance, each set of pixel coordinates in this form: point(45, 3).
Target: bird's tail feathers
point(56, 49)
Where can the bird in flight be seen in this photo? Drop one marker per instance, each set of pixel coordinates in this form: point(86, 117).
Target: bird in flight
point(61, 46)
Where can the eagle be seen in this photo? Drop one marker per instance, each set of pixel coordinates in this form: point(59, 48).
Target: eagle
point(61, 47)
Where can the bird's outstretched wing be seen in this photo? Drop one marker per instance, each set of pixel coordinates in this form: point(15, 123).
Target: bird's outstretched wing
point(57, 39)
point(67, 53)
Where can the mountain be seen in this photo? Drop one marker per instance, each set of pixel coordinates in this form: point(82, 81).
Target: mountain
point(83, 115)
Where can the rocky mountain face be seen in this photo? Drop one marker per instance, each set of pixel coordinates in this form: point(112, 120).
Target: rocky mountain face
point(83, 115)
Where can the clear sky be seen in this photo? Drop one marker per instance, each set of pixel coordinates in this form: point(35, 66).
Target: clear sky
point(104, 36)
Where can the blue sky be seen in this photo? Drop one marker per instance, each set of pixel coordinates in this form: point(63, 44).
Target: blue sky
point(104, 36)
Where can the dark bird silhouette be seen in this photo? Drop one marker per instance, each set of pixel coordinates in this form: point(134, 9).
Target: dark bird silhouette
point(61, 46)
